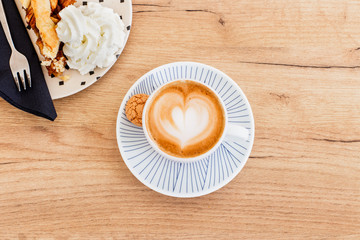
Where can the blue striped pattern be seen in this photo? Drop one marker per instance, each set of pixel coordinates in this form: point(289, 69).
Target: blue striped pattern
point(194, 177)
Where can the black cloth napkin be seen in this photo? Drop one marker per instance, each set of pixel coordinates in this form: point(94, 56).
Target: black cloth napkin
point(37, 99)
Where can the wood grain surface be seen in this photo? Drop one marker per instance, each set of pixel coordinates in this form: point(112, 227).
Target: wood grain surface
point(297, 61)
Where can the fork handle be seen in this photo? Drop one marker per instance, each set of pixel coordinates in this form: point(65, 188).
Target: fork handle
point(5, 26)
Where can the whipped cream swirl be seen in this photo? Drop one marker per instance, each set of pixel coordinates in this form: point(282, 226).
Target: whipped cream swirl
point(92, 35)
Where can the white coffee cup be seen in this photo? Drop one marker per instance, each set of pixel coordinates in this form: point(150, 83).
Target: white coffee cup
point(231, 131)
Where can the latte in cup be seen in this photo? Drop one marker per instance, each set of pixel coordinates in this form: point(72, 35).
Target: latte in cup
point(185, 119)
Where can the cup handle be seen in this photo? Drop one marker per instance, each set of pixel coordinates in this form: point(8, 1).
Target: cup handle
point(236, 132)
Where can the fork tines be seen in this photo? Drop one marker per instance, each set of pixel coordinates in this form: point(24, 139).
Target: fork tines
point(23, 78)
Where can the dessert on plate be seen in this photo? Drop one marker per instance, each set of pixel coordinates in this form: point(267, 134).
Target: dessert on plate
point(42, 16)
point(80, 38)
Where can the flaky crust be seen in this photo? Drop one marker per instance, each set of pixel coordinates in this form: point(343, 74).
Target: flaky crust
point(53, 4)
point(25, 3)
point(46, 27)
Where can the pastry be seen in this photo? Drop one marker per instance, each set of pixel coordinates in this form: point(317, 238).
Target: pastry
point(25, 3)
point(42, 16)
point(53, 4)
point(46, 27)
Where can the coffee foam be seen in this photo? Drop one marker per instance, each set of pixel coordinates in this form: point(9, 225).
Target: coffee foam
point(185, 119)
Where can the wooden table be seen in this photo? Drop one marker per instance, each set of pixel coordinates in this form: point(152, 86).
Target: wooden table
point(299, 64)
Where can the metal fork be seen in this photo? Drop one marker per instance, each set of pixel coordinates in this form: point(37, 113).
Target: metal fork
point(19, 64)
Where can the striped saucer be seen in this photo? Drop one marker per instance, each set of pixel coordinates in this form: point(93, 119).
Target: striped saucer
point(191, 179)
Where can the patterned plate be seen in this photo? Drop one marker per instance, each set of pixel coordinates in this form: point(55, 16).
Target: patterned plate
point(77, 82)
point(191, 179)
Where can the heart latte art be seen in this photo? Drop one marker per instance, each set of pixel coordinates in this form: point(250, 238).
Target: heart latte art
point(188, 120)
point(185, 119)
